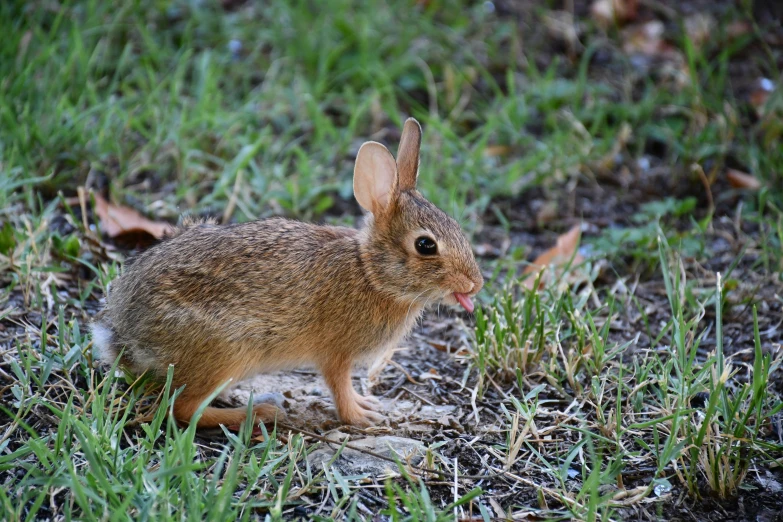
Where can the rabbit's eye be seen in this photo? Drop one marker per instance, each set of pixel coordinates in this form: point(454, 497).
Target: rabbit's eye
point(426, 246)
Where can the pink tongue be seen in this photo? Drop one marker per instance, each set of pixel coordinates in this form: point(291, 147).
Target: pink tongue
point(465, 301)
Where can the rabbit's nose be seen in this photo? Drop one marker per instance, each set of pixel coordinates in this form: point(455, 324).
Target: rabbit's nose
point(476, 285)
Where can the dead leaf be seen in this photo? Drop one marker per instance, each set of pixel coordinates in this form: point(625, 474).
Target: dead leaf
point(491, 151)
point(118, 221)
point(432, 374)
point(742, 180)
point(610, 12)
point(564, 251)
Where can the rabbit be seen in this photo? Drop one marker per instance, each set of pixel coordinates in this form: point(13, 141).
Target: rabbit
point(224, 303)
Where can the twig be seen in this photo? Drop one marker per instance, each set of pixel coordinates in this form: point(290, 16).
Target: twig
point(423, 399)
point(232, 202)
point(495, 473)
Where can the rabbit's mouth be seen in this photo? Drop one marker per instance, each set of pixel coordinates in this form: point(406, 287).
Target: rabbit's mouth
point(464, 300)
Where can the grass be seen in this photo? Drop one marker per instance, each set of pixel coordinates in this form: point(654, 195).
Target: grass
point(646, 402)
point(646, 378)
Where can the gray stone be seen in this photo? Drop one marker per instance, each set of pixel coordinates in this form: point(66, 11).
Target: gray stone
point(275, 398)
point(354, 462)
point(436, 411)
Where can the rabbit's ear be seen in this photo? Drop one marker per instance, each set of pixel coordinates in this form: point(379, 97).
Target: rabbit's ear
point(408, 154)
point(374, 177)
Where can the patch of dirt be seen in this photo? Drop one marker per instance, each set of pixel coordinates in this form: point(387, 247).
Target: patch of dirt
point(416, 391)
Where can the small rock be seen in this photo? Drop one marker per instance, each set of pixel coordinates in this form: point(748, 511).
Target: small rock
point(275, 398)
point(449, 421)
point(436, 412)
point(663, 487)
point(354, 462)
point(768, 482)
point(235, 47)
point(294, 393)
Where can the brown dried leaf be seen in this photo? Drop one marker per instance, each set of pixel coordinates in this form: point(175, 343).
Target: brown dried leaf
point(443, 347)
point(564, 251)
point(117, 221)
point(431, 374)
point(742, 180)
point(491, 151)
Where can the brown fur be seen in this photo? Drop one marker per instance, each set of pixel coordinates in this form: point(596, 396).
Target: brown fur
point(225, 303)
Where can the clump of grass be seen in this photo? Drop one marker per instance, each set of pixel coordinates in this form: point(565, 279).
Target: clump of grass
point(640, 409)
point(539, 333)
point(721, 439)
point(509, 335)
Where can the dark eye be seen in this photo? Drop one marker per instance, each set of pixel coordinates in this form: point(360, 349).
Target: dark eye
point(426, 246)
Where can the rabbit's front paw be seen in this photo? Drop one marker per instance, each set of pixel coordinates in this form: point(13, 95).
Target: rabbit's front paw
point(368, 402)
point(355, 415)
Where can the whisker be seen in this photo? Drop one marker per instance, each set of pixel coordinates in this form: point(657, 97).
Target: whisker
point(411, 305)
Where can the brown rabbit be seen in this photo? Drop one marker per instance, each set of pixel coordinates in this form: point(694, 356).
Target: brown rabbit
point(224, 303)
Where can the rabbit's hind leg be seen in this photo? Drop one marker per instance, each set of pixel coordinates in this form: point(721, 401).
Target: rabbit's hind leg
point(185, 408)
point(196, 392)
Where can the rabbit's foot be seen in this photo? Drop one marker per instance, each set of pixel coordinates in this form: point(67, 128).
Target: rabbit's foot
point(368, 402)
point(268, 413)
point(353, 408)
point(213, 417)
point(357, 416)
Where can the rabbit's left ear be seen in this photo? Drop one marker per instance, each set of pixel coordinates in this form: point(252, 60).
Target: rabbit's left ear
point(375, 178)
point(408, 155)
